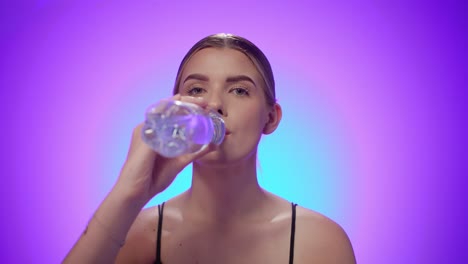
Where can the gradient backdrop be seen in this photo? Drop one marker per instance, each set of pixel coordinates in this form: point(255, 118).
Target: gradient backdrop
point(374, 133)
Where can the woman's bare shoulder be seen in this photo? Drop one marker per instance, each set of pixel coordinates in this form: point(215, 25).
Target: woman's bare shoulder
point(320, 239)
point(140, 244)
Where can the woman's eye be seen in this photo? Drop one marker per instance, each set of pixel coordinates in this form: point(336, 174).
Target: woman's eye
point(195, 91)
point(240, 91)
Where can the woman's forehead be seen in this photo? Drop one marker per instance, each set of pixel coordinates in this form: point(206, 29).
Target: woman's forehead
point(220, 61)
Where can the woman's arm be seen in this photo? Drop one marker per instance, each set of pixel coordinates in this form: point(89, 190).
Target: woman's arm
point(106, 231)
point(144, 174)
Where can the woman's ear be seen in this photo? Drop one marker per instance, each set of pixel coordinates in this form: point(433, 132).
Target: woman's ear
point(274, 118)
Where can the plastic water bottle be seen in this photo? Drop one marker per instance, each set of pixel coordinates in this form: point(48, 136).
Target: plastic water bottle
point(173, 128)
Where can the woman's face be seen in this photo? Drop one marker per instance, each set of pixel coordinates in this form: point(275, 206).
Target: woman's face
point(229, 81)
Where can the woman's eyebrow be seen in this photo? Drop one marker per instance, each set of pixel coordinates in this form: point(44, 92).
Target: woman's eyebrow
point(204, 78)
point(197, 76)
point(239, 78)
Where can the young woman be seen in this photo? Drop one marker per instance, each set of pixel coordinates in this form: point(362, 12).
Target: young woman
point(225, 217)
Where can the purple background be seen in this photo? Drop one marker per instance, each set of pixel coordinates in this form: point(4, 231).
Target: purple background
point(374, 96)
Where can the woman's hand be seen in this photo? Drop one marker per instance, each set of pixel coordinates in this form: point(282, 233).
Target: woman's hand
point(145, 172)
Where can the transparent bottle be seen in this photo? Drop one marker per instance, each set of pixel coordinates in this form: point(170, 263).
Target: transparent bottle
point(173, 128)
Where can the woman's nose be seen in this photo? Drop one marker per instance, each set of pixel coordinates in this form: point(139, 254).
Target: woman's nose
point(215, 103)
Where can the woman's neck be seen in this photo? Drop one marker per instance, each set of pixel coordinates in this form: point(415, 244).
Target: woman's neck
point(224, 194)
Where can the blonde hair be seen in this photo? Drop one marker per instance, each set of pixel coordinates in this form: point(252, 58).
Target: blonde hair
point(243, 45)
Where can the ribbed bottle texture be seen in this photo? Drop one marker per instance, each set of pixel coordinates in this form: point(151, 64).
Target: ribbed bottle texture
point(173, 128)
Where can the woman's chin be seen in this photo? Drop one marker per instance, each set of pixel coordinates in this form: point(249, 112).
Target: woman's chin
point(219, 159)
point(213, 158)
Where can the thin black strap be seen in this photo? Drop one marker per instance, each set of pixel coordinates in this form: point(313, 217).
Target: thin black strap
point(293, 231)
point(158, 239)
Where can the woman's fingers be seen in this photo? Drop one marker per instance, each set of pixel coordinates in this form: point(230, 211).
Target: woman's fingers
point(146, 172)
point(189, 158)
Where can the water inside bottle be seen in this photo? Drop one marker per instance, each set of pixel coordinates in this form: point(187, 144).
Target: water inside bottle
point(173, 128)
point(174, 135)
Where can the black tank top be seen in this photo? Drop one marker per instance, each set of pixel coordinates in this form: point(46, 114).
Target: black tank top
point(291, 243)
